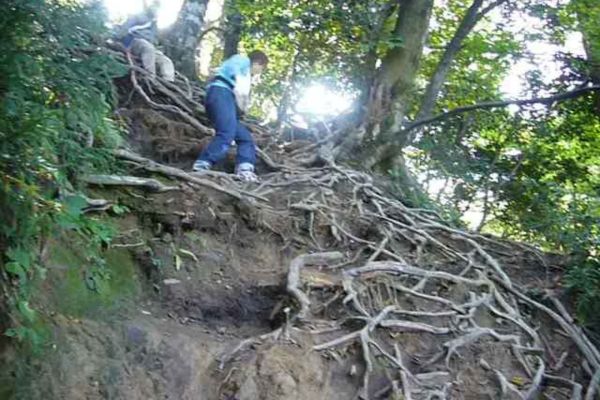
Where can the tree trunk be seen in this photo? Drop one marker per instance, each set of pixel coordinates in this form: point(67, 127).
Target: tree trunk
point(182, 39)
point(286, 98)
point(376, 31)
point(588, 13)
point(233, 32)
point(393, 81)
point(399, 67)
point(393, 84)
point(473, 15)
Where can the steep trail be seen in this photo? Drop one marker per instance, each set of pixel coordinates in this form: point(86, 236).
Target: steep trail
point(318, 282)
point(404, 270)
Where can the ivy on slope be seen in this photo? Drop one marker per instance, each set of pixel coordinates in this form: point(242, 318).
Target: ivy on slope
point(56, 97)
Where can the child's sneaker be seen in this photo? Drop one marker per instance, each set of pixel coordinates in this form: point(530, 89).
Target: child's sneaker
point(247, 176)
point(201, 165)
point(245, 172)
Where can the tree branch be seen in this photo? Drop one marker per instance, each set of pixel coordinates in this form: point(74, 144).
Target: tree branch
point(489, 8)
point(469, 21)
point(439, 76)
point(497, 104)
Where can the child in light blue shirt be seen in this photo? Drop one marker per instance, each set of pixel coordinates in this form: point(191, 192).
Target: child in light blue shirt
point(228, 92)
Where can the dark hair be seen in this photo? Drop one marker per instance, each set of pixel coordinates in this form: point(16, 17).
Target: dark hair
point(258, 57)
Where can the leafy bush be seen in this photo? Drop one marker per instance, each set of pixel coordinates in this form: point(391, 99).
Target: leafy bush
point(55, 104)
point(584, 281)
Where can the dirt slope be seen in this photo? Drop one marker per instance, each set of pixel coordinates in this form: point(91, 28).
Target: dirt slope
point(317, 283)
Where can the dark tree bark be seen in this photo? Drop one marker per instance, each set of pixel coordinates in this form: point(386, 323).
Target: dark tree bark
point(393, 84)
point(393, 80)
point(286, 98)
point(588, 12)
point(392, 150)
point(370, 64)
point(398, 70)
point(402, 137)
point(233, 33)
point(549, 100)
point(182, 39)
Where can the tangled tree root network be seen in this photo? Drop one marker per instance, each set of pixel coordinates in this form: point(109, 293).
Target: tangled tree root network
point(431, 307)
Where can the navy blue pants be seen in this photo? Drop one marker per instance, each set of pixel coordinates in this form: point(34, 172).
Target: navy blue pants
point(222, 112)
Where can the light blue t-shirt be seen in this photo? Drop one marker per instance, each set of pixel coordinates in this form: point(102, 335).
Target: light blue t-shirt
point(232, 67)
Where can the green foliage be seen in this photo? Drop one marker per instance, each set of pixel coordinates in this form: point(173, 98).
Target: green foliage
point(534, 172)
point(87, 285)
point(478, 69)
point(55, 105)
point(540, 174)
point(334, 42)
point(584, 281)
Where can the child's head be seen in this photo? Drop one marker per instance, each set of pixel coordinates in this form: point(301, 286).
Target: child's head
point(259, 61)
point(152, 8)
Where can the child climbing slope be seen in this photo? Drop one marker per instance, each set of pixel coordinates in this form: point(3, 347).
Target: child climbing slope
point(227, 95)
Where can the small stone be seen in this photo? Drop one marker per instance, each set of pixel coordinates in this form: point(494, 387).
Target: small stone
point(353, 370)
point(222, 330)
point(136, 336)
point(212, 257)
point(171, 281)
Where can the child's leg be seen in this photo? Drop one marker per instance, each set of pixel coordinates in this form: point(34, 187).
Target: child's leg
point(246, 151)
point(220, 107)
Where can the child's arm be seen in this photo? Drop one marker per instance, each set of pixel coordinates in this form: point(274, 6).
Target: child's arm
point(242, 91)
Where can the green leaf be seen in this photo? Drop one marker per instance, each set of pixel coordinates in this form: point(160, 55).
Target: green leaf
point(74, 205)
point(26, 311)
point(20, 256)
point(19, 333)
point(18, 270)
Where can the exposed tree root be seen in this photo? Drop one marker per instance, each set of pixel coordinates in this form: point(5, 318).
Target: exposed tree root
point(118, 180)
point(379, 291)
point(593, 387)
point(396, 276)
point(152, 166)
point(293, 278)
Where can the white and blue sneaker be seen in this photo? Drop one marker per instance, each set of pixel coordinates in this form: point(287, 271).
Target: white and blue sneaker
point(201, 165)
point(245, 172)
